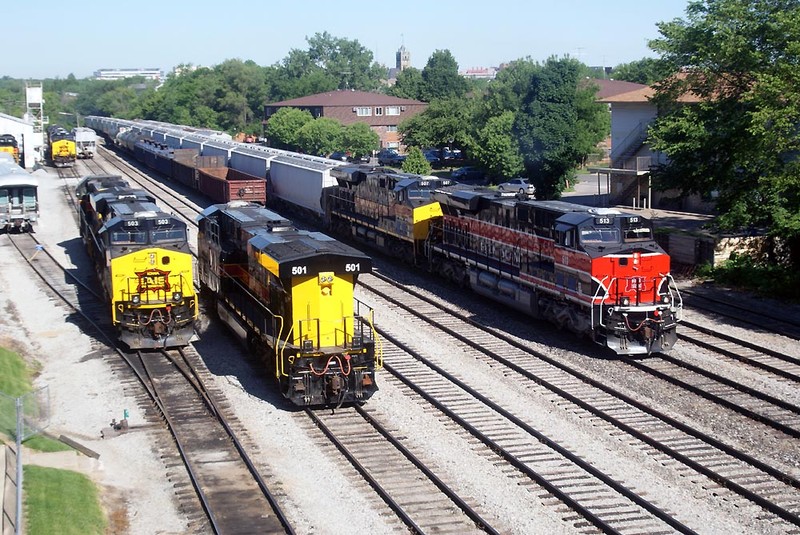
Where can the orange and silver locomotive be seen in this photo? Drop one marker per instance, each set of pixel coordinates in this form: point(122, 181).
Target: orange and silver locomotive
point(142, 258)
point(289, 294)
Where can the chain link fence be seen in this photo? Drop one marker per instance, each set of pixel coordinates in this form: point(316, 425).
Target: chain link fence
point(35, 408)
point(20, 418)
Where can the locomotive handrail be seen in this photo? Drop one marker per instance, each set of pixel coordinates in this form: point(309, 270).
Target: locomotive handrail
point(600, 286)
point(279, 360)
point(378, 349)
point(672, 285)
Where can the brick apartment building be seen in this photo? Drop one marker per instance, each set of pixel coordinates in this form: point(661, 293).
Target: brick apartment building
point(381, 112)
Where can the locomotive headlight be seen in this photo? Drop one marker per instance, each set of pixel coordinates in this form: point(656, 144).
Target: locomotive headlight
point(136, 299)
point(177, 296)
point(625, 301)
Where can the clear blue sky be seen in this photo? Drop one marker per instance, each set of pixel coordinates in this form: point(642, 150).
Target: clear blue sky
point(47, 39)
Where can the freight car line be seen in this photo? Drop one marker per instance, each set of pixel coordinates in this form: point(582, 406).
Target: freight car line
point(54, 275)
point(234, 496)
point(418, 497)
point(703, 453)
point(182, 206)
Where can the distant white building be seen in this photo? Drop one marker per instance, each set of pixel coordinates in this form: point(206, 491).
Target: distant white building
point(119, 74)
point(480, 73)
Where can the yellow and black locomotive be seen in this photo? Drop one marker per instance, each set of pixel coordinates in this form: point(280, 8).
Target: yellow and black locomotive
point(289, 294)
point(8, 143)
point(142, 258)
point(61, 146)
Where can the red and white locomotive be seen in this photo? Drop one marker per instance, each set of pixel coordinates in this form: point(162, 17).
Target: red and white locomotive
point(597, 272)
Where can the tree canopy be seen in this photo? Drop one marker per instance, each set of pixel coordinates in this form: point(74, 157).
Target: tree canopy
point(416, 162)
point(739, 59)
point(536, 120)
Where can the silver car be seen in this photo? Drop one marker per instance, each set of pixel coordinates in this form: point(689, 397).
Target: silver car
point(516, 185)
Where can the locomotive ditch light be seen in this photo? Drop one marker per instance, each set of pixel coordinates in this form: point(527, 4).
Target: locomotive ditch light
point(665, 299)
point(176, 296)
point(136, 299)
point(625, 301)
point(308, 345)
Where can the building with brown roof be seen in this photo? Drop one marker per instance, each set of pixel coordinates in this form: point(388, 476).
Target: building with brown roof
point(631, 157)
point(381, 112)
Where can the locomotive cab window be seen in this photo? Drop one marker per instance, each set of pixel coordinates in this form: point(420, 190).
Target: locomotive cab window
point(599, 236)
point(636, 229)
point(168, 235)
point(126, 237)
point(565, 235)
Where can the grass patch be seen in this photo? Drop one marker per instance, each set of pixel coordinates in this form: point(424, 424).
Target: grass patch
point(15, 381)
point(46, 444)
point(743, 272)
point(61, 501)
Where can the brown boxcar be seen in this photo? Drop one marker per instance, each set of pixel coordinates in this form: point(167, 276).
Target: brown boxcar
point(223, 184)
point(185, 163)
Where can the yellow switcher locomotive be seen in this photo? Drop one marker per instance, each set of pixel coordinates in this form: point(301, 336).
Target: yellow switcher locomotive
point(289, 294)
point(142, 258)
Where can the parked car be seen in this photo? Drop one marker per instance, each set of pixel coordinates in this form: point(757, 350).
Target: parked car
point(468, 173)
point(390, 157)
point(432, 155)
point(516, 185)
point(338, 155)
point(359, 159)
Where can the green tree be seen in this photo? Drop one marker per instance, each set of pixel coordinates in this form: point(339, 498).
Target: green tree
point(738, 59)
point(284, 126)
point(496, 149)
point(12, 96)
point(240, 95)
point(320, 136)
point(296, 76)
point(350, 63)
point(444, 122)
point(644, 71)
point(359, 139)
point(558, 125)
point(441, 77)
point(409, 84)
point(416, 162)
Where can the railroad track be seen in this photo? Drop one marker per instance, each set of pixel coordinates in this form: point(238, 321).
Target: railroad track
point(420, 499)
point(758, 356)
point(743, 474)
point(765, 317)
point(234, 496)
point(207, 444)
